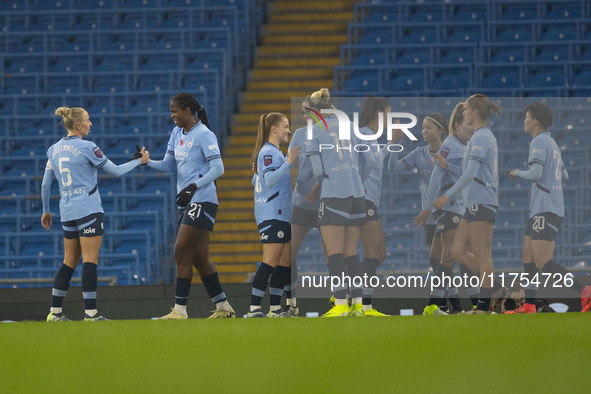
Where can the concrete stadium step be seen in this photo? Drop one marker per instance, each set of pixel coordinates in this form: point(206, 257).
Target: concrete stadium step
point(236, 194)
point(311, 17)
point(309, 28)
point(238, 277)
point(238, 150)
point(236, 236)
point(234, 216)
point(254, 95)
point(296, 51)
point(236, 204)
point(226, 247)
point(325, 61)
point(235, 268)
point(235, 225)
point(247, 259)
point(237, 162)
point(290, 7)
point(300, 39)
point(237, 173)
point(301, 47)
point(265, 107)
point(283, 74)
point(302, 84)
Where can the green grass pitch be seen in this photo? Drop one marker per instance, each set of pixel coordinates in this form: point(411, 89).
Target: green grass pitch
point(511, 354)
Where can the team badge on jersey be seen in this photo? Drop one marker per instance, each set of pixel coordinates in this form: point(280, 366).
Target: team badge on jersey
point(190, 144)
point(97, 151)
point(444, 152)
point(268, 160)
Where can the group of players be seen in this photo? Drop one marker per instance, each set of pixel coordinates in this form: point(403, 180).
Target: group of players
point(337, 190)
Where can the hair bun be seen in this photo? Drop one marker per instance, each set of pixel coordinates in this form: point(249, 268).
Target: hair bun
point(62, 111)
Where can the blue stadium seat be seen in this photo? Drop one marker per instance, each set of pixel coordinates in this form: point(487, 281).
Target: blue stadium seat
point(546, 79)
point(381, 17)
point(559, 33)
point(553, 54)
point(451, 81)
point(505, 80)
point(407, 82)
point(564, 10)
point(582, 79)
point(420, 35)
point(513, 34)
point(362, 84)
point(416, 57)
point(456, 56)
point(465, 34)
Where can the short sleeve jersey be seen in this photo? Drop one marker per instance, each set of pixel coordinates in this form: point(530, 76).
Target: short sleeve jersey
point(339, 160)
point(485, 185)
point(421, 159)
point(453, 151)
point(271, 203)
point(373, 182)
point(305, 178)
point(75, 163)
point(546, 194)
point(192, 152)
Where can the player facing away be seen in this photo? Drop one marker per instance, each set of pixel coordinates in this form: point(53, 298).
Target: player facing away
point(434, 130)
point(447, 171)
point(194, 149)
point(75, 163)
point(304, 201)
point(272, 211)
point(373, 119)
point(340, 171)
point(481, 179)
point(547, 174)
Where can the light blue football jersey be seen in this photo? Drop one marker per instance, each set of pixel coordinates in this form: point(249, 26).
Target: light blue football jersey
point(75, 163)
point(305, 178)
point(341, 165)
point(421, 159)
point(271, 202)
point(192, 152)
point(453, 151)
point(546, 194)
point(373, 183)
point(485, 186)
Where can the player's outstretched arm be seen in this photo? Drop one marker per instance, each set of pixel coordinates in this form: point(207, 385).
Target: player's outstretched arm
point(165, 164)
point(116, 170)
point(46, 221)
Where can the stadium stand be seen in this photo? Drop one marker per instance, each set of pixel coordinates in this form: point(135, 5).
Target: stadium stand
point(126, 58)
point(122, 60)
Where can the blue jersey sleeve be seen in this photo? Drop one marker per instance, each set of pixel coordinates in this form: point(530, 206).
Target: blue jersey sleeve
point(94, 155)
point(478, 148)
point(210, 147)
point(538, 152)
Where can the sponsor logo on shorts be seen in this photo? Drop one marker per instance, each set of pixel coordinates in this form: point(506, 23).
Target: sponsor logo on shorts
point(89, 230)
point(264, 237)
